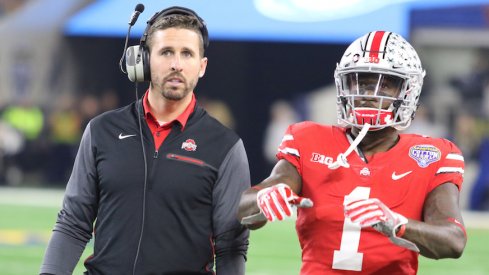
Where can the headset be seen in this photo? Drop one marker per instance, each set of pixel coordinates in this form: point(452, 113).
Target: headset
point(137, 57)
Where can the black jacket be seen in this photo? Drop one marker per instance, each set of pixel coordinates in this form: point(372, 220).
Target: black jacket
point(171, 215)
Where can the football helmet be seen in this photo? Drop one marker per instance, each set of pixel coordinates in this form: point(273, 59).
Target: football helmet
point(378, 81)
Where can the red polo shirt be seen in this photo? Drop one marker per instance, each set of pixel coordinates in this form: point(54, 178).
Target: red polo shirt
point(160, 132)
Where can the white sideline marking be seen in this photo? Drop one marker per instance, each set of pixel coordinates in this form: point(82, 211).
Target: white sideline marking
point(39, 197)
point(44, 197)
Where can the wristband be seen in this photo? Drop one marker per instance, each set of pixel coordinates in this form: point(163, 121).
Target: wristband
point(401, 230)
point(256, 187)
point(459, 224)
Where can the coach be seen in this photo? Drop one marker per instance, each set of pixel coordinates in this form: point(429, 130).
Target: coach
point(156, 183)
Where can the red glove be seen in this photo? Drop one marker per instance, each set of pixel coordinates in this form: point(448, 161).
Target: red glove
point(276, 202)
point(372, 212)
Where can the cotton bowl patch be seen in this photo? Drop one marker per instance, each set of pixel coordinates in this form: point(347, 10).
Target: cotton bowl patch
point(425, 155)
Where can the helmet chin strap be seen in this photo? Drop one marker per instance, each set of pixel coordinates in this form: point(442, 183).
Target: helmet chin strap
point(341, 160)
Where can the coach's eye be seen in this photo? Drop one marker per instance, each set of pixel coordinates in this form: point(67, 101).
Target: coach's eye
point(166, 53)
point(187, 54)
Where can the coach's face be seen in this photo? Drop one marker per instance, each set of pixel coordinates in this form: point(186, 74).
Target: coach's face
point(175, 62)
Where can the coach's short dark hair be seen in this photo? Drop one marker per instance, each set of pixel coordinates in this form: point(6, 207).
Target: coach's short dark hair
point(176, 21)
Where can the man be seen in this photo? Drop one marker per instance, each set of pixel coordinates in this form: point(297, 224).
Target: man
point(370, 199)
point(163, 195)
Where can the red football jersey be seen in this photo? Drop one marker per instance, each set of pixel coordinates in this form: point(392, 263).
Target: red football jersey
point(401, 178)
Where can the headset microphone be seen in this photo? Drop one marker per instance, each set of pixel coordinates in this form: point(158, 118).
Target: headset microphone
point(134, 17)
point(137, 11)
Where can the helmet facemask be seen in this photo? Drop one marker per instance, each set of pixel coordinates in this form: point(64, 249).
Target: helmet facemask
point(374, 98)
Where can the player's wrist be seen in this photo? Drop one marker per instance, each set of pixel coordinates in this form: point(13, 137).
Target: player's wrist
point(400, 225)
point(400, 230)
point(256, 187)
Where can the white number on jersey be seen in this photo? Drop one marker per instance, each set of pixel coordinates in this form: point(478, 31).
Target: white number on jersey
point(348, 257)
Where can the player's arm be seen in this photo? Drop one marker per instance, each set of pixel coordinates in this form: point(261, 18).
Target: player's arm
point(442, 234)
point(283, 172)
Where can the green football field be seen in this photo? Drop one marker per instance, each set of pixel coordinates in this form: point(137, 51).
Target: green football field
point(274, 249)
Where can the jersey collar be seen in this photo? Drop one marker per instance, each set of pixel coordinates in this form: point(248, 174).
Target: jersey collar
point(182, 118)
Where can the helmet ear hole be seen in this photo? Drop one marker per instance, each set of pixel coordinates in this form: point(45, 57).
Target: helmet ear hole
point(397, 103)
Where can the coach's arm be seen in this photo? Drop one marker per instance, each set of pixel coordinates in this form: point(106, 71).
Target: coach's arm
point(230, 237)
point(74, 226)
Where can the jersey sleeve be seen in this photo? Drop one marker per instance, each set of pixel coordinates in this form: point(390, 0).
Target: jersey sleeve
point(451, 166)
point(289, 148)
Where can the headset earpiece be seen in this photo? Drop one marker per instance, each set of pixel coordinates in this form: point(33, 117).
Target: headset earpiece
point(137, 64)
point(137, 57)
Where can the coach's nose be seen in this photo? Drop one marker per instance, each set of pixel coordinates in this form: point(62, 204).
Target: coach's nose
point(176, 64)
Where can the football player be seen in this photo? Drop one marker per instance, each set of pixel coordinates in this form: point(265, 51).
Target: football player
point(369, 198)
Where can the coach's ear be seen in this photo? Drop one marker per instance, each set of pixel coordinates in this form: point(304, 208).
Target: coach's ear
point(203, 66)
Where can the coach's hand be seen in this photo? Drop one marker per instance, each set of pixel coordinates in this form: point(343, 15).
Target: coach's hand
point(372, 212)
point(276, 202)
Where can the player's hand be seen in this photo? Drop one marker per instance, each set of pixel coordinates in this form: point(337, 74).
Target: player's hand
point(372, 212)
point(276, 202)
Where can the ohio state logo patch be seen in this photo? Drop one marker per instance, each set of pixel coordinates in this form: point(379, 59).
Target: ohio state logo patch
point(189, 145)
point(365, 172)
point(425, 154)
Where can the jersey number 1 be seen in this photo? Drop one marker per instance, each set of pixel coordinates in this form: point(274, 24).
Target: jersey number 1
point(348, 257)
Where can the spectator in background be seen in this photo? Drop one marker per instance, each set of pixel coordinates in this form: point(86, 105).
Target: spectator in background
point(9, 6)
point(89, 108)
point(64, 132)
point(282, 114)
point(220, 111)
point(423, 124)
point(465, 134)
point(472, 85)
point(109, 100)
point(25, 117)
point(479, 195)
point(471, 129)
point(11, 143)
point(471, 113)
point(29, 121)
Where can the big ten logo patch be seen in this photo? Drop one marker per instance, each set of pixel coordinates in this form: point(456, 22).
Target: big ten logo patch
point(321, 159)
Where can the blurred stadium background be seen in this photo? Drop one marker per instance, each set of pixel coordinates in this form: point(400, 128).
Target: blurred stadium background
point(59, 68)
